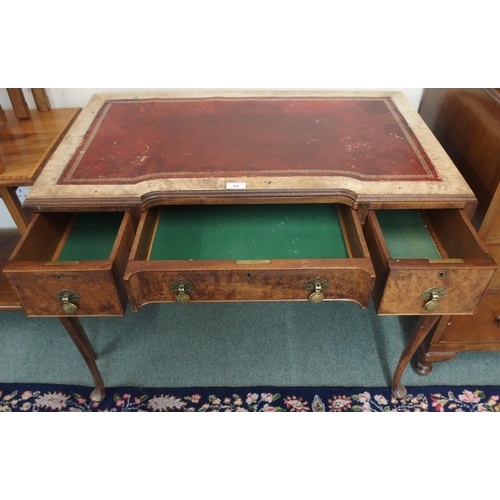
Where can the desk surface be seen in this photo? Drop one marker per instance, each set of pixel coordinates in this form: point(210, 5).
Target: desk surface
point(356, 147)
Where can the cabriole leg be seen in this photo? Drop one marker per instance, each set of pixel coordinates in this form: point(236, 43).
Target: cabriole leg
point(77, 333)
point(421, 330)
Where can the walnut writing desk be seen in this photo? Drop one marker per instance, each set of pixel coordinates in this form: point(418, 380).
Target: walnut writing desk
point(250, 196)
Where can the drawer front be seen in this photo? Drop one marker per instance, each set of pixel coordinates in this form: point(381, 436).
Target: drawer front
point(457, 292)
point(248, 284)
point(451, 280)
point(49, 282)
point(91, 291)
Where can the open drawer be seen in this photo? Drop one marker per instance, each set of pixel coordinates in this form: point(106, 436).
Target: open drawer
point(72, 264)
point(426, 262)
point(249, 253)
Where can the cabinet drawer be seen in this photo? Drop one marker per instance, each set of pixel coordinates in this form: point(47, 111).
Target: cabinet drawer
point(427, 262)
point(483, 327)
point(249, 253)
point(72, 264)
point(494, 251)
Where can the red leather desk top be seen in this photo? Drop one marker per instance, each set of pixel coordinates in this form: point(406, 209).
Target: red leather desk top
point(132, 140)
point(168, 147)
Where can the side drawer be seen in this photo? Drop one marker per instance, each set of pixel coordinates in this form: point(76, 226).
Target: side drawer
point(427, 262)
point(249, 253)
point(72, 264)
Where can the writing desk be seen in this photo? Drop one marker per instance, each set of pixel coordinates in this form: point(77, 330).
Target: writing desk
point(250, 196)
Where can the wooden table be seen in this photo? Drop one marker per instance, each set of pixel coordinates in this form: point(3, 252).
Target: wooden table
point(260, 196)
point(25, 146)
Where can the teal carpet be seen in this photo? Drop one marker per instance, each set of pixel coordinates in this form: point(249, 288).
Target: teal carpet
point(230, 345)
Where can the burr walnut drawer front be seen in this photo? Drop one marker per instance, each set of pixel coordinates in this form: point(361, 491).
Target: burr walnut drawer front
point(426, 262)
point(72, 264)
point(249, 253)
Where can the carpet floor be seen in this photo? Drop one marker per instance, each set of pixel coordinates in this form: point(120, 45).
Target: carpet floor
point(251, 348)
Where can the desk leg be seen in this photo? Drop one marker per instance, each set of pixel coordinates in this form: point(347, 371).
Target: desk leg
point(77, 333)
point(421, 330)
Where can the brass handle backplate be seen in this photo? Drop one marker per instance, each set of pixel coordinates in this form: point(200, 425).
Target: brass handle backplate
point(182, 288)
point(315, 286)
point(68, 298)
point(431, 296)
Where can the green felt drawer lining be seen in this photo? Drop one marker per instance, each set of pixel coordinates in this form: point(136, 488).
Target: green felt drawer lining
point(92, 236)
point(249, 232)
point(406, 235)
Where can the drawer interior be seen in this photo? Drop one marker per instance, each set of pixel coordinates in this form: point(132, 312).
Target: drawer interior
point(91, 236)
point(442, 234)
point(248, 232)
point(70, 237)
point(406, 235)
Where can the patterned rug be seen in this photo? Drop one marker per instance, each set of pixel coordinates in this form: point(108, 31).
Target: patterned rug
point(65, 398)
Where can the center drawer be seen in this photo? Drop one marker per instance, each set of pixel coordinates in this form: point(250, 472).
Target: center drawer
point(427, 262)
point(72, 264)
point(249, 253)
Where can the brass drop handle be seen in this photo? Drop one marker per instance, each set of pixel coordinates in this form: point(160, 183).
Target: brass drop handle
point(68, 298)
point(432, 304)
point(315, 286)
point(316, 297)
point(431, 296)
point(182, 297)
point(182, 288)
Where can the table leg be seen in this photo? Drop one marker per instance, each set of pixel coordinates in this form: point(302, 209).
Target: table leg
point(9, 196)
point(422, 328)
point(77, 333)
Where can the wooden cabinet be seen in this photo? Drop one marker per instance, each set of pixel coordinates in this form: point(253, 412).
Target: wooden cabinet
point(467, 124)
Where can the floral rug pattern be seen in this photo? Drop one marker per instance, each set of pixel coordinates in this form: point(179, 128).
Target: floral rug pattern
point(44, 398)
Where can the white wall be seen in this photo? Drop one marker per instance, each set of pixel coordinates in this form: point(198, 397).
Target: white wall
point(77, 98)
